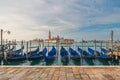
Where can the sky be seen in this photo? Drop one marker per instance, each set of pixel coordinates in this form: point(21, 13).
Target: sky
point(72, 19)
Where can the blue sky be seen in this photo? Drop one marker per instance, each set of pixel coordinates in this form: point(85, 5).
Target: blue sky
point(77, 19)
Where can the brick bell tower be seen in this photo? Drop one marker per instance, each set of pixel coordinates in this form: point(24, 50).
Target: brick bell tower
point(49, 35)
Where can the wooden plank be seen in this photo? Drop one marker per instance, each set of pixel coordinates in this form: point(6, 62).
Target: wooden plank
point(59, 73)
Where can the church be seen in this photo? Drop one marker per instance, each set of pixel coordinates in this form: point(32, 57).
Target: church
point(58, 39)
point(50, 39)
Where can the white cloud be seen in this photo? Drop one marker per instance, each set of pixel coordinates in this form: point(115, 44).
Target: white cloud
point(28, 19)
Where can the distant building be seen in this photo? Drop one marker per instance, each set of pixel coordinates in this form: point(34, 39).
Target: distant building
point(58, 39)
point(49, 36)
point(37, 40)
point(69, 41)
point(54, 39)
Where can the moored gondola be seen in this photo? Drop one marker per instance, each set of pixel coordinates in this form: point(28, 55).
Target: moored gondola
point(104, 55)
point(35, 54)
point(51, 55)
point(64, 55)
point(16, 55)
point(90, 54)
point(74, 54)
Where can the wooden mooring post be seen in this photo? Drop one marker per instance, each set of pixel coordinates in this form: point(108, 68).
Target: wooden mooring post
point(107, 45)
point(22, 46)
point(6, 41)
point(95, 48)
point(39, 44)
point(113, 57)
point(114, 51)
point(14, 43)
point(57, 47)
point(48, 46)
point(27, 49)
point(43, 45)
point(9, 44)
point(95, 54)
point(100, 46)
point(82, 52)
point(2, 51)
point(30, 46)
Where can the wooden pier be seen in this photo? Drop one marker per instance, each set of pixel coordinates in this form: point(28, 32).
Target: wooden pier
point(60, 73)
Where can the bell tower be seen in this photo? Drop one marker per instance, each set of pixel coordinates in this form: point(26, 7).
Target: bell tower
point(49, 35)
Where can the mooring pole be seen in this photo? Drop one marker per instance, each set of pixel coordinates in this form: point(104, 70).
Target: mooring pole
point(95, 54)
point(2, 48)
point(27, 50)
point(76, 45)
point(67, 45)
point(101, 46)
point(6, 41)
point(112, 44)
point(82, 53)
point(30, 46)
point(112, 39)
point(27, 46)
point(48, 45)
point(106, 45)
point(1, 36)
point(57, 47)
point(95, 48)
point(85, 46)
point(14, 42)
point(9, 45)
point(42, 44)
point(39, 44)
point(22, 46)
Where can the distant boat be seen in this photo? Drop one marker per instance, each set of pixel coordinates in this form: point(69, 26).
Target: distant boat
point(64, 54)
point(51, 55)
point(74, 54)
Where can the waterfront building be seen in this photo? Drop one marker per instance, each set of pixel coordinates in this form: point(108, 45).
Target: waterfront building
point(58, 39)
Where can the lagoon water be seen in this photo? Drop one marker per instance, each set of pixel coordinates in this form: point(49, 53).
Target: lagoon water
point(57, 61)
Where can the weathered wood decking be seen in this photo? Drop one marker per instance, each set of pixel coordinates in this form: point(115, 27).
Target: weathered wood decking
point(59, 73)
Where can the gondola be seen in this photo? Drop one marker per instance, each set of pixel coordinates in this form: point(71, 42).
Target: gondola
point(64, 55)
point(82, 52)
point(74, 54)
point(90, 54)
point(15, 55)
point(10, 50)
point(96, 54)
point(35, 54)
point(104, 55)
point(51, 55)
point(44, 51)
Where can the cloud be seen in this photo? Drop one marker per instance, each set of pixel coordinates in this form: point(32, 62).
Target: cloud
point(30, 19)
